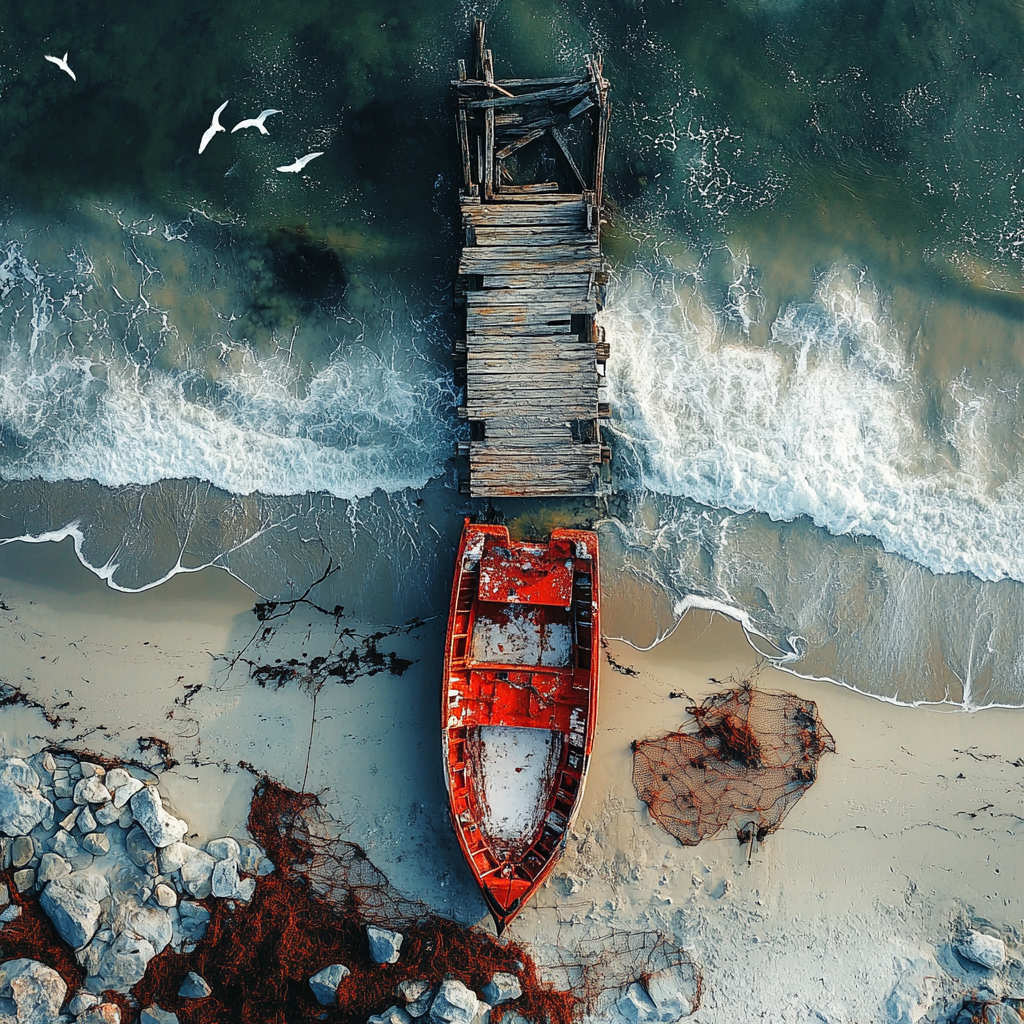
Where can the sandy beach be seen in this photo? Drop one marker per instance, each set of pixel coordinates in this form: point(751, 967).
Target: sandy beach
point(912, 830)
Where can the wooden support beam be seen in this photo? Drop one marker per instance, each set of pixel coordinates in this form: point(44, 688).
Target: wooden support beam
point(563, 146)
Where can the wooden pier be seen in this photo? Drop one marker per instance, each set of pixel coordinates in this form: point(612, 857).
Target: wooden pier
point(530, 279)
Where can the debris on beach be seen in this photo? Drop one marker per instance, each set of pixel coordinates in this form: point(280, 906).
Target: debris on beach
point(751, 759)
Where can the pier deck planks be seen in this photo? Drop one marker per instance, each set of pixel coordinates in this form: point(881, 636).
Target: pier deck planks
point(531, 273)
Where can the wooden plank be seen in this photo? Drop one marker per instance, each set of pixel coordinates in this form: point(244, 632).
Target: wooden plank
point(495, 283)
point(542, 197)
point(467, 172)
point(537, 188)
point(565, 94)
point(529, 234)
point(489, 154)
point(511, 214)
point(512, 83)
point(563, 146)
point(524, 140)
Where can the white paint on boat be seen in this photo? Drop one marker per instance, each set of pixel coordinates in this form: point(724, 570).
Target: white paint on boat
point(516, 771)
point(520, 635)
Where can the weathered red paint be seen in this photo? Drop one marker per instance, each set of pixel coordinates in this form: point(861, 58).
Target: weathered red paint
point(556, 582)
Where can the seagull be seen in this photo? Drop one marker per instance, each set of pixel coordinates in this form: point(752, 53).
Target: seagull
point(256, 122)
point(62, 63)
point(215, 126)
point(299, 164)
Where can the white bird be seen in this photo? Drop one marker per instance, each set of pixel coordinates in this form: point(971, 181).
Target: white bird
point(299, 164)
point(215, 126)
point(62, 63)
point(256, 122)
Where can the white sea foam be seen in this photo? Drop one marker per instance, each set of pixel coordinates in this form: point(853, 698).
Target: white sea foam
point(827, 421)
point(86, 391)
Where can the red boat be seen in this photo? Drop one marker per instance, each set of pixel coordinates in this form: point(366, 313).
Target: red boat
point(519, 704)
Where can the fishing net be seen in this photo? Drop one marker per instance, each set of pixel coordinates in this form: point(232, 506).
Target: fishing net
point(750, 760)
point(312, 912)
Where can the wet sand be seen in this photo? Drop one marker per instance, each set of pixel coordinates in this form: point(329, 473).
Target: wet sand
point(913, 827)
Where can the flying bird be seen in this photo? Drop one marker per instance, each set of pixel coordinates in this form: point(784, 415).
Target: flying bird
point(62, 63)
point(256, 122)
point(215, 126)
point(299, 164)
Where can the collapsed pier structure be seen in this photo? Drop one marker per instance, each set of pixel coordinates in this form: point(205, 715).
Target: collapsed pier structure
point(530, 279)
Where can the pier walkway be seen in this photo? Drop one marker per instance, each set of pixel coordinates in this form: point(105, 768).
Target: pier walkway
point(530, 279)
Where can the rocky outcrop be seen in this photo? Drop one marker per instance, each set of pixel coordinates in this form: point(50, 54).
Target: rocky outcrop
point(30, 992)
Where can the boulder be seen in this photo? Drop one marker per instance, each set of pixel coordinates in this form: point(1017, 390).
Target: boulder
point(986, 950)
point(174, 856)
point(5, 896)
point(325, 983)
point(22, 806)
point(141, 852)
point(197, 873)
point(81, 1002)
point(24, 879)
point(116, 778)
point(502, 988)
point(194, 987)
point(51, 866)
point(66, 845)
point(124, 793)
point(90, 791)
point(121, 965)
point(249, 857)
point(101, 1013)
point(193, 919)
point(226, 883)
point(89, 769)
point(155, 1015)
point(161, 827)
point(165, 895)
point(636, 1005)
point(392, 1015)
point(86, 820)
point(23, 851)
point(152, 924)
point(106, 815)
point(417, 996)
point(30, 992)
point(455, 1004)
point(223, 849)
point(74, 914)
point(96, 843)
point(384, 945)
point(9, 914)
point(675, 991)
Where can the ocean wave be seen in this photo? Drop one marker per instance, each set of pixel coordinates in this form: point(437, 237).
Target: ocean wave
point(827, 420)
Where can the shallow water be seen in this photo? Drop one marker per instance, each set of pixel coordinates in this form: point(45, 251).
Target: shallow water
point(815, 315)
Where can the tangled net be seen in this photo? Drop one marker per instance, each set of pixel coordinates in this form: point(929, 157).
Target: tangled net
point(312, 912)
point(753, 755)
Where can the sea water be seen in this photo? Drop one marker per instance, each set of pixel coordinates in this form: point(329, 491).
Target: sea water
point(815, 312)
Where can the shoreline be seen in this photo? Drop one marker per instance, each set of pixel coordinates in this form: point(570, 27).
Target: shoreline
point(886, 855)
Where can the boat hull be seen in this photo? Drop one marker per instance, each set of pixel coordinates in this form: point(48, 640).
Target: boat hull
point(519, 704)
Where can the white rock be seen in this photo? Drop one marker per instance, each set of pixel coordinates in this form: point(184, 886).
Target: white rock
point(986, 950)
point(89, 770)
point(196, 874)
point(392, 1015)
point(116, 778)
point(81, 1002)
point(9, 914)
point(68, 822)
point(48, 762)
point(141, 851)
point(224, 879)
point(90, 791)
point(325, 983)
point(165, 895)
point(174, 856)
point(32, 990)
point(913, 995)
point(121, 965)
point(152, 924)
point(454, 1004)
point(106, 815)
point(51, 866)
point(161, 827)
point(22, 806)
point(384, 945)
point(96, 843)
point(223, 849)
point(74, 914)
point(86, 820)
point(155, 1015)
point(194, 986)
point(126, 791)
point(502, 988)
point(249, 858)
